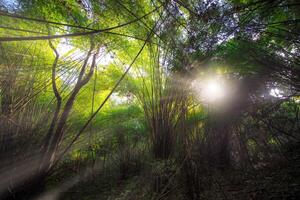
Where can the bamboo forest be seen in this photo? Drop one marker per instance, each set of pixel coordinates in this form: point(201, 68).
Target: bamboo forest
point(150, 99)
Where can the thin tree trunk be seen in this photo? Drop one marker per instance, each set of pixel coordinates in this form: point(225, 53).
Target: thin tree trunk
point(57, 126)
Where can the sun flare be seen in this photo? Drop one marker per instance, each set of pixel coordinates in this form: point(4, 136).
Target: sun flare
point(213, 90)
point(210, 90)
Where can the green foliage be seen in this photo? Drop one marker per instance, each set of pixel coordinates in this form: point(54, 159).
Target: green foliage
point(137, 117)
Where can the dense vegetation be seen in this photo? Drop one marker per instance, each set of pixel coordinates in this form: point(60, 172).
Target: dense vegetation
point(149, 99)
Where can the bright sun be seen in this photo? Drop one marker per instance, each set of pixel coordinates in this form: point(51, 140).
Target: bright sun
point(213, 90)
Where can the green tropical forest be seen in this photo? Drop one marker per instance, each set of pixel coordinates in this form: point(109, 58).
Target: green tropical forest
point(150, 99)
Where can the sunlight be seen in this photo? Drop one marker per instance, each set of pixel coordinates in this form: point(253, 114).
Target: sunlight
point(145, 99)
point(71, 53)
point(63, 47)
point(213, 90)
point(105, 57)
point(119, 99)
point(275, 92)
point(11, 5)
point(209, 90)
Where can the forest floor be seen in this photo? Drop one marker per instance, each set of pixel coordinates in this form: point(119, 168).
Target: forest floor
point(280, 180)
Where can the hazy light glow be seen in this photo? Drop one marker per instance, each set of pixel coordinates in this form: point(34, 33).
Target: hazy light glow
point(275, 92)
point(213, 90)
point(63, 48)
point(210, 90)
point(104, 58)
point(118, 99)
